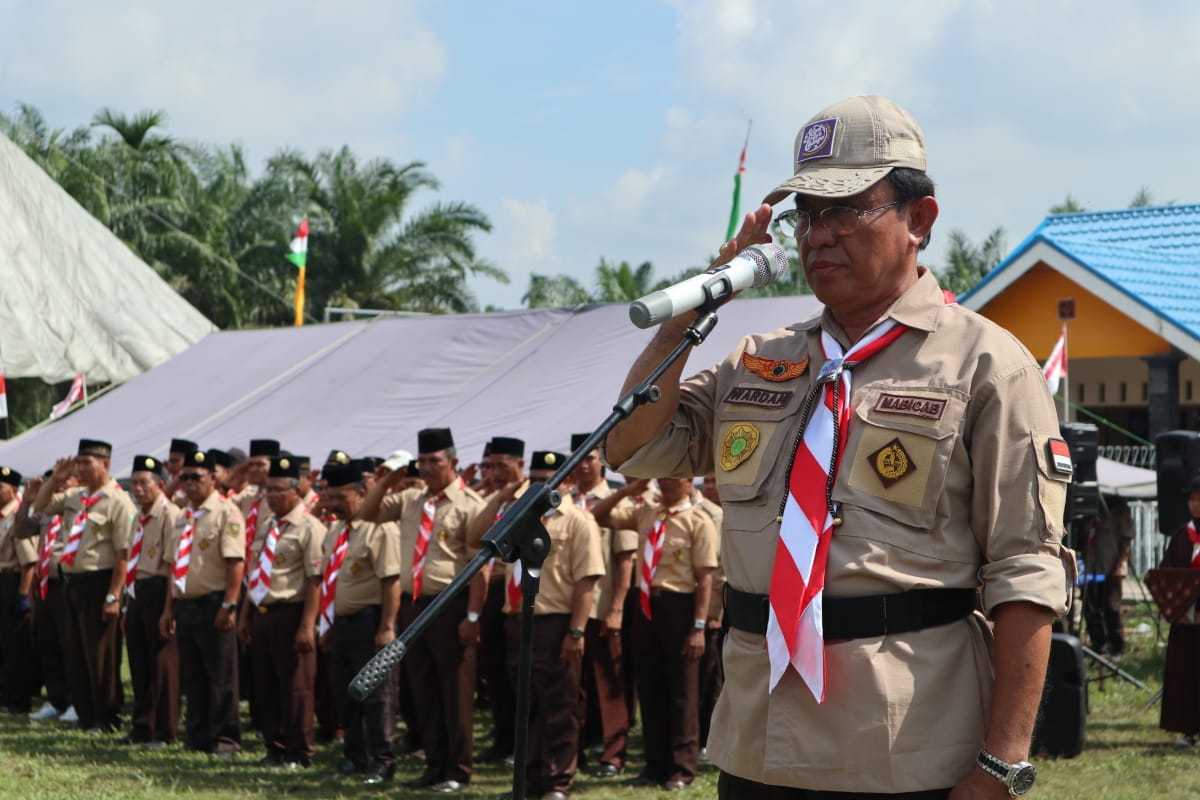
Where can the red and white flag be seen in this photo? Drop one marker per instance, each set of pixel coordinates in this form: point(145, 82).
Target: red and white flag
point(1055, 368)
point(72, 397)
point(3, 393)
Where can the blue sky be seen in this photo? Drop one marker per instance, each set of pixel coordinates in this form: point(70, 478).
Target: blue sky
point(589, 130)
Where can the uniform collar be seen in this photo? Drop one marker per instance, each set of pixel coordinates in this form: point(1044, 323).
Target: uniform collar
point(918, 308)
point(295, 516)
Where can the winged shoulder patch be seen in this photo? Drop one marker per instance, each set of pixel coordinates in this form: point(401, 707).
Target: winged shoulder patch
point(774, 369)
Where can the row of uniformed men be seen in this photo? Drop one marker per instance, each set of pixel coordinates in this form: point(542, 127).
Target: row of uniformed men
point(224, 563)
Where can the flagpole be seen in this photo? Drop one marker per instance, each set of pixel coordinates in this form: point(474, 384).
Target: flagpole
point(1066, 380)
point(85, 397)
point(300, 298)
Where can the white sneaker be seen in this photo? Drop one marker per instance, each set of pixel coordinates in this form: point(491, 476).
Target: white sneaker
point(69, 715)
point(1186, 741)
point(46, 712)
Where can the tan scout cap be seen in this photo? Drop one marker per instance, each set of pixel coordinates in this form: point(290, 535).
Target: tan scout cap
point(849, 146)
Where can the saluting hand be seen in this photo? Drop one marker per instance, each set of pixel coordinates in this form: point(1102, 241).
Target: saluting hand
point(62, 470)
point(755, 230)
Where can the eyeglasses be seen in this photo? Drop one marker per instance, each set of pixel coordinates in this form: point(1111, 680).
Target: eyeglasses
point(838, 220)
point(186, 477)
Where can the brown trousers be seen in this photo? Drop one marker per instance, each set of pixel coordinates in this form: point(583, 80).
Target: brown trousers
point(603, 677)
point(92, 652)
point(16, 645)
point(668, 688)
point(554, 704)
point(442, 672)
point(731, 787)
point(153, 665)
point(283, 681)
point(50, 627)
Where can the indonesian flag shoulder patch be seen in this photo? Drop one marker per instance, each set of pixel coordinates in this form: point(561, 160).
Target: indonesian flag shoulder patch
point(774, 369)
point(1060, 457)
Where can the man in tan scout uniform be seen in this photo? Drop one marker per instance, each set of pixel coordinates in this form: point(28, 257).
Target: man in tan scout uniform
point(17, 559)
point(360, 600)
point(153, 660)
point(279, 618)
point(97, 519)
point(433, 549)
point(564, 601)
point(677, 549)
point(605, 707)
point(712, 675)
point(942, 482)
point(201, 610)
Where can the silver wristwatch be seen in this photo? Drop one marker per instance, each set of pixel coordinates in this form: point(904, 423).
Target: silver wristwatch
point(1018, 778)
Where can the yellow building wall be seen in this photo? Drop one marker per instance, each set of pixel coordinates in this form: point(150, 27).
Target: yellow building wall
point(1029, 308)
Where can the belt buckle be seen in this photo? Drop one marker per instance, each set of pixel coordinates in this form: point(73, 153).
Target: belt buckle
point(262, 609)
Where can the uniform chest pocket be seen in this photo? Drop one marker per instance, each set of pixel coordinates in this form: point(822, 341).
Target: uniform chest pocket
point(901, 443)
point(96, 522)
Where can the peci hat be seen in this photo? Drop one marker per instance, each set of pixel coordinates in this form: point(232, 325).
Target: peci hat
point(305, 463)
point(95, 447)
point(264, 447)
point(284, 467)
point(508, 446)
point(1193, 486)
point(10, 476)
point(849, 146)
point(577, 440)
point(398, 459)
point(546, 460)
point(337, 474)
point(182, 446)
point(148, 464)
point(433, 440)
point(337, 457)
point(220, 458)
point(198, 458)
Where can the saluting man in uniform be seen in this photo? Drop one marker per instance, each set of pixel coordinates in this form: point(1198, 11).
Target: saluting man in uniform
point(97, 519)
point(17, 559)
point(279, 618)
point(678, 546)
point(201, 610)
point(153, 660)
point(441, 662)
point(360, 599)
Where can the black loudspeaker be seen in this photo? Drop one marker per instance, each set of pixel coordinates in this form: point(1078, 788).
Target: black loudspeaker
point(1083, 495)
point(1177, 458)
point(1062, 718)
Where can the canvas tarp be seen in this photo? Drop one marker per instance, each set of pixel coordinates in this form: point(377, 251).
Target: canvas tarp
point(75, 299)
point(368, 387)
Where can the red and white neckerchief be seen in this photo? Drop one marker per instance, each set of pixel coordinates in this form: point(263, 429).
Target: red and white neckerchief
point(311, 504)
point(260, 576)
point(329, 582)
point(252, 526)
point(1195, 537)
point(135, 549)
point(183, 555)
point(513, 586)
point(795, 629)
point(428, 512)
point(77, 526)
point(43, 564)
point(652, 552)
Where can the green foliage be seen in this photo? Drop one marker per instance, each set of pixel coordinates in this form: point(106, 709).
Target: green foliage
point(967, 263)
point(1068, 206)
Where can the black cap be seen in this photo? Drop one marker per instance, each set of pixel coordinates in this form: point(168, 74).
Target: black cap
point(182, 446)
point(577, 440)
point(264, 447)
point(412, 471)
point(220, 458)
point(547, 460)
point(432, 440)
point(338, 457)
point(10, 476)
point(305, 463)
point(1193, 486)
point(198, 458)
point(508, 446)
point(284, 467)
point(370, 463)
point(148, 464)
point(95, 447)
point(336, 474)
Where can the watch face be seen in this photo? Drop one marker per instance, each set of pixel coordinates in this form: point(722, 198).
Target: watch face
point(1022, 780)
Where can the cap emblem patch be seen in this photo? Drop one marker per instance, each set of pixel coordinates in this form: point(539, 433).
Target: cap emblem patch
point(817, 140)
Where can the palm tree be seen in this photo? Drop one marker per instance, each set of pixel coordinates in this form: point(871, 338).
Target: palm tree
point(623, 283)
point(967, 263)
point(554, 291)
point(365, 248)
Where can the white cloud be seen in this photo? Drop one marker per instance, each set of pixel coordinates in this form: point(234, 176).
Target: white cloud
point(529, 227)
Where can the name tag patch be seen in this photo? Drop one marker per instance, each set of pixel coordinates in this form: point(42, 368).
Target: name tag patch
point(763, 398)
point(911, 405)
point(772, 369)
point(1060, 457)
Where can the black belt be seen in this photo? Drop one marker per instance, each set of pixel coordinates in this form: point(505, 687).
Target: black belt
point(362, 612)
point(80, 578)
point(204, 599)
point(861, 617)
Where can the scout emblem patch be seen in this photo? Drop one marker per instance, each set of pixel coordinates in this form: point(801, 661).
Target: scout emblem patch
point(203, 544)
point(441, 536)
point(739, 443)
point(891, 463)
point(355, 568)
point(1060, 457)
point(152, 553)
point(232, 529)
point(816, 141)
point(774, 369)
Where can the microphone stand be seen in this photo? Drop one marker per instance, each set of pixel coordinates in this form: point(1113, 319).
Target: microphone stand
point(520, 534)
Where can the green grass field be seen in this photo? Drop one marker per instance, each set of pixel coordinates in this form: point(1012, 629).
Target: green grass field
point(1126, 758)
